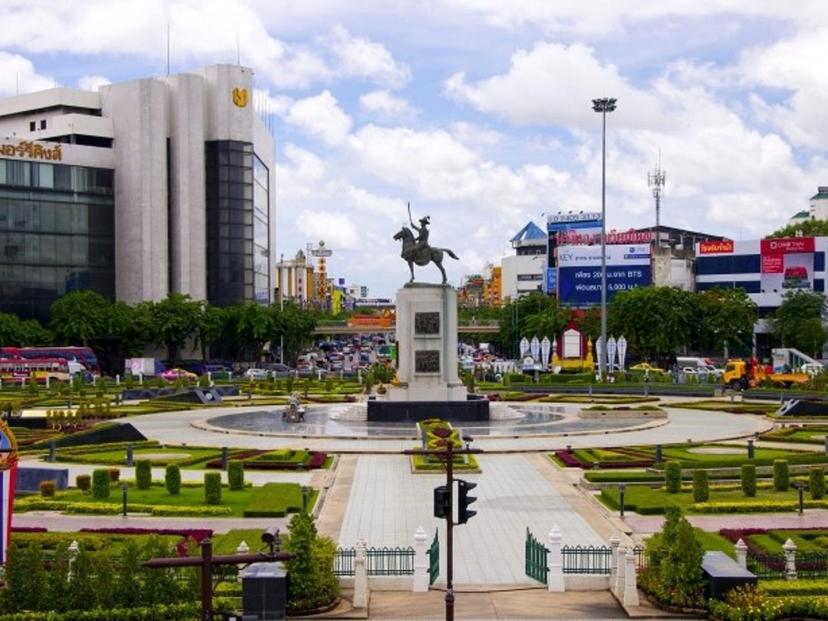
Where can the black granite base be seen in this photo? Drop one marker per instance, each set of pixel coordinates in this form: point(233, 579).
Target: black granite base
point(801, 407)
point(413, 411)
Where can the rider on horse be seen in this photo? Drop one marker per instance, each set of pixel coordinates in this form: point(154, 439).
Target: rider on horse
point(422, 233)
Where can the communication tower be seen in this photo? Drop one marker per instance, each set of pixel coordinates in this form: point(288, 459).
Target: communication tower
point(656, 181)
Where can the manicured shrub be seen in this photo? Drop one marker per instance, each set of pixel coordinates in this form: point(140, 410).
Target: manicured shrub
point(313, 583)
point(114, 474)
point(47, 489)
point(172, 479)
point(701, 488)
point(816, 482)
point(749, 480)
point(143, 473)
point(100, 483)
point(781, 476)
point(83, 482)
point(212, 488)
point(672, 477)
point(235, 475)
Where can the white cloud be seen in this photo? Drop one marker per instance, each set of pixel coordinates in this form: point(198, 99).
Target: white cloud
point(385, 105)
point(554, 84)
point(18, 75)
point(366, 59)
point(335, 228)
point(320, 116)
point(92, 82)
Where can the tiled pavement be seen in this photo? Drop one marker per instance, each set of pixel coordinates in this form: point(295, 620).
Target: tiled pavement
point(388, 503)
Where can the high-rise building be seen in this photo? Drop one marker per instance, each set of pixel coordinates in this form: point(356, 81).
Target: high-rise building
point(148, 187)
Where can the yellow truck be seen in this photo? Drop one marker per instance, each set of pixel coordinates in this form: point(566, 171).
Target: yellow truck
point(742, 374)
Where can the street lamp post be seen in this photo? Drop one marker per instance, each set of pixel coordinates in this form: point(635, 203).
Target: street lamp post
point(603, 105)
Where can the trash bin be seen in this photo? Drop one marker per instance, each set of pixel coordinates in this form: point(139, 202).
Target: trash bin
point(264, 591)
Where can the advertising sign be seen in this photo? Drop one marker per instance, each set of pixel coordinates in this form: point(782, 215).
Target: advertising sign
point(551, 280)
point(585, 224)
point(787, 263)
point(716, 247)
point(579, 272)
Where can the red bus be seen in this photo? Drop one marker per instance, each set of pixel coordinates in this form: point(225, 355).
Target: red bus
point(83, 355)
point(19, 369)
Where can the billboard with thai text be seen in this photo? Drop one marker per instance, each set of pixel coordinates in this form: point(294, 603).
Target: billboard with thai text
point(579, 272)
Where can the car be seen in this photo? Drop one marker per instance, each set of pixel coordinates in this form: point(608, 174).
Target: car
point(646, 367)
point(277, 369)
point(171, 375)
point(256, 374)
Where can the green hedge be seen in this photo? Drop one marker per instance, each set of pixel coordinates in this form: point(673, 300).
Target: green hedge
point(701, 487)
point(143, 473)
point(83, 482)
point(100, 483)
point(172, 479)
point(781, 476)
point(160, 612)
point(34, 503)
point(672, 477)
point(758, 506)
point(212, 488)
point(749, 480)
point(235, 475)
point(772, 609)
point(816, 480)
point(781, 588)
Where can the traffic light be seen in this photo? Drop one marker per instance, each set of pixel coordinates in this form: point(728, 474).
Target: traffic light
point(464, 500)
point(442, 502)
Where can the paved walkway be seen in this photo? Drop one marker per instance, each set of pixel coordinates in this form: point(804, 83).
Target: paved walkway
point(65, 523)
point(697, 425)
point(388, 503)
point(812, 518)
point(514, 604)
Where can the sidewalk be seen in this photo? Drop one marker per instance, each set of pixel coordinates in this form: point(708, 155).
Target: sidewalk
point(812, 518)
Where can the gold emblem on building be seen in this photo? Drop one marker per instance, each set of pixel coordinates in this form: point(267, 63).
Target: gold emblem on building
point(240, 97)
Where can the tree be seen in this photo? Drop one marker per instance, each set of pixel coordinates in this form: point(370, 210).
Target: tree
point(656, 321)
point(549, 322)
point(589, 322)
point(174, 320)
point(293, 327)
point(249, 324)
point(79, 317)
point(515, 314)
point(798, 322)
point(808, 228)
point(13, 331)
point(210, 327)
point(726, 318)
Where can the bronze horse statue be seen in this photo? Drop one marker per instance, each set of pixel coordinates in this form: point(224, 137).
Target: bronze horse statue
point(421, 256)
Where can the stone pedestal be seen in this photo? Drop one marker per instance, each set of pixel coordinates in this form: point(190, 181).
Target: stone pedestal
point(427, 345)
point(428, 384)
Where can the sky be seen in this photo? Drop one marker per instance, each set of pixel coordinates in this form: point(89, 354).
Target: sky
point(478, 112)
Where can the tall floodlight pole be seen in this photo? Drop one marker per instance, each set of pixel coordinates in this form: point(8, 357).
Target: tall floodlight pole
point(656, 181)
point(603, 105)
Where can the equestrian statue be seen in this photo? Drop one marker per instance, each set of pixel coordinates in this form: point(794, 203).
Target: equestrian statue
point(416, 250)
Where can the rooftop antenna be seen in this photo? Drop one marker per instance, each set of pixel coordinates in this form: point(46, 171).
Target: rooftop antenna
point(656, 181)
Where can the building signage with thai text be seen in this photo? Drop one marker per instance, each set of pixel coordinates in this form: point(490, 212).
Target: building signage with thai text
point(716, 247)
point(787, 245)
point(34, 150)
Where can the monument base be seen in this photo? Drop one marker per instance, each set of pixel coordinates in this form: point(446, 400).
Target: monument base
point(413, 411)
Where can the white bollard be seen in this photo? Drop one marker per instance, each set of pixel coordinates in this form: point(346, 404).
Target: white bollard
point(630, 583)
point(361, 575)
point(620, 572)
point(790, 560)
point(555, 577)
point(47, 382)
point(117, 379)
point(614, 543)
point(741, 553)
point(421, 561)
point(141, 379)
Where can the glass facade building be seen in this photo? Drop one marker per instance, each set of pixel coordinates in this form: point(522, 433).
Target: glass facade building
point(238, 224)
point(56, 234)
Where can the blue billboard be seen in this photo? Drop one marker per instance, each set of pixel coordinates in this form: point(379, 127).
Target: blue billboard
point(579, 272)
point(551, 280)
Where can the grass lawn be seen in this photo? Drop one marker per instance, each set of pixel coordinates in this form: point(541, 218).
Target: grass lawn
point(741, 407)
point(420, 463)
point(649, 501)
point(270, 500)
point(813, 434)
point(714, 542)
point(607, 399)
point(697, 456)
point(157, 455)
point(228, 542)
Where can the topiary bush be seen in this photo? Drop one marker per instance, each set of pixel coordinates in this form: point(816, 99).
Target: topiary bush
point(816, 482)
point(100, 483)
point(114, 474)
point(172, 479)
point(749, 480)
point(143, 473)
point(701, 487)
point(672, 477)
point(212, 488)
point(781, 476)
point(313, 583)
point(235, 475)
point(47, 489)
point(83, 482)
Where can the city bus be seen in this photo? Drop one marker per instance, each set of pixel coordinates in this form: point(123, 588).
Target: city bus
point(18, 370)
point(83, 355)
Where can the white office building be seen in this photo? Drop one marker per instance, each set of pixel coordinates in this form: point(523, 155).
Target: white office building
point(148, 187)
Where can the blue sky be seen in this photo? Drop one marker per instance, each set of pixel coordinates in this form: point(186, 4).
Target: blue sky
point(478, 111)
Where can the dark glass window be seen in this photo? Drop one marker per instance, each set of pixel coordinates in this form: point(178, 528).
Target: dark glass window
point(52, 233)
point(735, 264)
point(819, 261)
